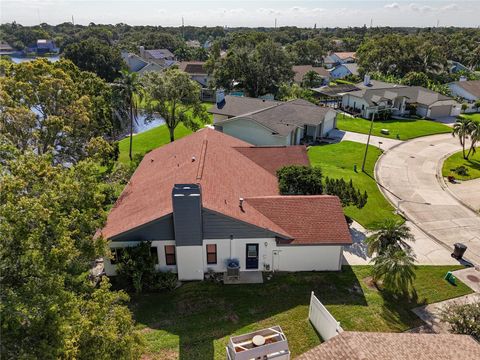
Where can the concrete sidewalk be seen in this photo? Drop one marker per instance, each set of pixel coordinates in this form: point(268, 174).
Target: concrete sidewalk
point(426, 250)
point(380, 142)
point(409, 177)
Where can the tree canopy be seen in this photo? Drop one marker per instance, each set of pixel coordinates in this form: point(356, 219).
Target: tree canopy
point(97, 57)
point(50, 308)
point(55, 107)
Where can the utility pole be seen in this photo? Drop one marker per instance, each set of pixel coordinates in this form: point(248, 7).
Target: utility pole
point(275, 23)
point(73, 21)
point(183, 29)
point(368, 141)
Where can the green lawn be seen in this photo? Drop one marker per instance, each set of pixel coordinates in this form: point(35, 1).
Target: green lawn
point(196, 320)
point(153, 138)
point(149, 140)
point(475, 117)
point(456, 160)
point(337, 161)
point(405, 129)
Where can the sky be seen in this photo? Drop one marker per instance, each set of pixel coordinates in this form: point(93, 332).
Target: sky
point(234, 13)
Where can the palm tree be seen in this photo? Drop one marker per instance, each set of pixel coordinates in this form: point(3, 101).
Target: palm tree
point(130, 90)
point(462, 129)
point(395, 267)
point(391, 234)
point(474, 137)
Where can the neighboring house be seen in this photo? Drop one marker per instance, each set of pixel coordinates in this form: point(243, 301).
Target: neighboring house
point(6, 49)
point(343, 70)
point(137, 64)
point(337, 58)
point(159, 56)
point(45, 46)
point(209, 197)
point(401, 100)
point(395, 346)
point(367, 83)
point(193, 44)
point(196, 71)
point(467, 90)
point(455, 67)
point(229, 106)
point(285, 123)
point(301, 70)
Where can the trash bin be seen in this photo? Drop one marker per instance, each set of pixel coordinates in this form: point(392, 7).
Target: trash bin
point(458, 250)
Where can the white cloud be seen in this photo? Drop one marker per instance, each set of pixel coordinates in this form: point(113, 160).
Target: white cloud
point(420, 8)
point(392, 6)
point(450, 7)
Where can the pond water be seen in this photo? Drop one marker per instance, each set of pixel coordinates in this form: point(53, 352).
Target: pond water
point(18, 60)
point(143, 124)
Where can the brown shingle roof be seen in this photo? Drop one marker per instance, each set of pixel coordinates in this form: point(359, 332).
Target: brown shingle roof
point(226, 172)
point(238, 105)
point(472, 86)
point(274, 158)
point(193, 67)
point(301, 70)
point(315, 219)
point(395, 346)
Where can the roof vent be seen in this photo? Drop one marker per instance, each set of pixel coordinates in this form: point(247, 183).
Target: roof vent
point(193, 158)
point(240, 203)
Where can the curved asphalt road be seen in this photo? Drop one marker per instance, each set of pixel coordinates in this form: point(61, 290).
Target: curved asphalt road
point(408, 175)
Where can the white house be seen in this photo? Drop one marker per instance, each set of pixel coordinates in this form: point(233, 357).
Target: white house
point(209, 197)
point(466, 90)
point(401, 100)
point(280, 124)
point(343, 70)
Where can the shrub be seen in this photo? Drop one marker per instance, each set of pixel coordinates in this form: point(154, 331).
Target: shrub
point(463, 319)
point(461, 170)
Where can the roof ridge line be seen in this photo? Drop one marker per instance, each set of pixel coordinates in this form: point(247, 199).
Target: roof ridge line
point(201, 163)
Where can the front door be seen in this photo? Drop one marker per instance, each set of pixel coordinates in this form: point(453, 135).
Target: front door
point(252, 256)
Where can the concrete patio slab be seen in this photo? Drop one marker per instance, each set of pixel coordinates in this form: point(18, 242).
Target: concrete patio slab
point(246, 277)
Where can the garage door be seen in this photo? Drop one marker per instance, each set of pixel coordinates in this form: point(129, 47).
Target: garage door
point(441, 110)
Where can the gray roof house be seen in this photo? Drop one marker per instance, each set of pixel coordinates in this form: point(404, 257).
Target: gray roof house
point(467, 90)
point(280, 124)
point(343, 70)
point(228, 106)
point(400, 100)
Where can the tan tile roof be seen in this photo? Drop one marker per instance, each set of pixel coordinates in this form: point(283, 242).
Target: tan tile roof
point(227, 169)
point(315, 219)
point(346, 55)
point(395, 346)
point(301, 70)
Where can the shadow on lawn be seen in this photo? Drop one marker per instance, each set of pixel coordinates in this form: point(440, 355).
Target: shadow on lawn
point(200, 313)
point(397, 309)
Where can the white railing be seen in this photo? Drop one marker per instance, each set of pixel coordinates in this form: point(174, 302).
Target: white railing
point(322, 320)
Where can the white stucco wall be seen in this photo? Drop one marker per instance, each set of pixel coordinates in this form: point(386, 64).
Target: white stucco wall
point(253, 133)
point(355, 102)
point(458, 91)
point(190, 262)
point(329, 122)
point(307, 258)
point(160, 245)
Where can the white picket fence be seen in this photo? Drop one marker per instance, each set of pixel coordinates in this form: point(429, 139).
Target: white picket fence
point(322, 320)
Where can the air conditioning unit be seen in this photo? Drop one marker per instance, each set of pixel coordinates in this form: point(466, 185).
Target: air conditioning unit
point(263, 344)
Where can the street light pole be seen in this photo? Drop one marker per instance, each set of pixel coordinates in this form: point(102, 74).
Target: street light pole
point(368, 141)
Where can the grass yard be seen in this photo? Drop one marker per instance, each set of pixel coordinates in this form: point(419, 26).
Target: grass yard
point(196, 320)
point(153, 138)
point(405, 129)
point(475, 117)
point(456, 160)
point(337, 161)
point(149, 140)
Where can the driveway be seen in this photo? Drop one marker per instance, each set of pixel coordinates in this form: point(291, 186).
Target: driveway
point(409, 177)
point(380, 142)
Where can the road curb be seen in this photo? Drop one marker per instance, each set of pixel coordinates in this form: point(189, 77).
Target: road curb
point(444, 185)
point(382, 190)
